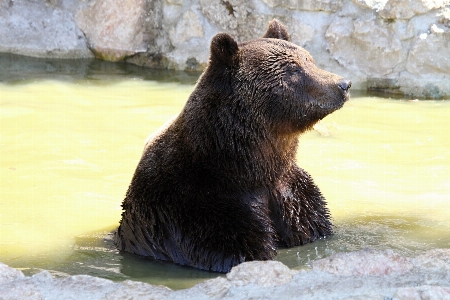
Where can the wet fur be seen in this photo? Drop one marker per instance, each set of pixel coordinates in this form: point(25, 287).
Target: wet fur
point(220, 185)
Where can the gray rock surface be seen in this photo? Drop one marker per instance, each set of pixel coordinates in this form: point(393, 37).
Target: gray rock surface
point(42, 29)
point(114, 29)
point(392, 45)
point(365, 274)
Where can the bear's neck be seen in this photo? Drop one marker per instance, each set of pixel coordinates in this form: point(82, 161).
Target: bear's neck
point(267, 158)
point(248, 153)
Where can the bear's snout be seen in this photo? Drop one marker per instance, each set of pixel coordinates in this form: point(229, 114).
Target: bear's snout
point(344, 85)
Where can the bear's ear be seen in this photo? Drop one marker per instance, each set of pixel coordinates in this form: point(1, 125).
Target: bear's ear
point(277, 30)
point(223, 48)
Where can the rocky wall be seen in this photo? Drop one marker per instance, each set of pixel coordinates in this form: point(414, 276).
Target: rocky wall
point(398, 46)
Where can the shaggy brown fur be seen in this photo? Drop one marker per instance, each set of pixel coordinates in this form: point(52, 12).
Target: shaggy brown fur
point(220, 185)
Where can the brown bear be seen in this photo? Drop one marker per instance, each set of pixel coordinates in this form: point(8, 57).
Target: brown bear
point(220, 185)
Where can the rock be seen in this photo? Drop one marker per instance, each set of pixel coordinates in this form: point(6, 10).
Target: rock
point(436, 259)
point(444, 17)
point(8, 274)
point(44, 286)
point(155, 35)
point(399, 9)
point(398, 59)
point(422, 292)
point(365, 274)
point(41, 29)
point(427, 75)
point(114, 29)
point(351, 43)
point(187, 28)
point(364, 263)
point(420, 62)
point(302, 34)
point(234, 17)
point(376, 5)
point(309, 5)
point(263, 273)
point(191, 29)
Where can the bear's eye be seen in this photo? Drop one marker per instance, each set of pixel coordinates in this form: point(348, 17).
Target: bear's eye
point(295, 69)
point(309, 60)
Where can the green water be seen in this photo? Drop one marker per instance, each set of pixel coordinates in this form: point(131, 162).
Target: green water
point(72, 132)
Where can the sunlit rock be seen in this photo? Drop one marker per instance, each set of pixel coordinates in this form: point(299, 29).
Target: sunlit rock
point(363, 263)
point(436, 259)
point(352, 43)
point(427, 75)
point(400, 9)
point(244, 20)
point(372, 4)
point(262, 273)
point(365, 274)
point(41, 29)
point(188, 43)
point(114, 29)
point(187, 28)
point(44, 286)
point(310, 5)
point(422, 292)
point(436, 40)
point(389, 49)
point(8, 274)
point(302, 33)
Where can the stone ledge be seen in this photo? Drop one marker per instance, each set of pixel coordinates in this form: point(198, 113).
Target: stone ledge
point(365, 274)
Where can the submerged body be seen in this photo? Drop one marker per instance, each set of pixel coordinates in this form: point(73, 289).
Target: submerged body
point(219, 185)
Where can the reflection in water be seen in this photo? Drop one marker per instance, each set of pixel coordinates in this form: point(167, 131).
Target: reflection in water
point(95, 254)
point(19, 69)
point(72, 133)
point(405, 235)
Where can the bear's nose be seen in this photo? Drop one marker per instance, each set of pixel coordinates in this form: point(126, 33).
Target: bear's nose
point(344, 84)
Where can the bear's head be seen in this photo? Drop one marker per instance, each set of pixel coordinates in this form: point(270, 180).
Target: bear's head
point(272, 82)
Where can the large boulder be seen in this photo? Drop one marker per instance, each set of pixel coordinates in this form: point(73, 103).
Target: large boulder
point(114, 28)
point(41, 29)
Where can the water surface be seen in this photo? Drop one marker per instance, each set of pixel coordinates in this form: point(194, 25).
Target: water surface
point(71, 134)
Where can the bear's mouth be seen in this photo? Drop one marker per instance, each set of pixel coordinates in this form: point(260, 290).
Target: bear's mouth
point(346, 96)
point(330, 107)
point(331, 104)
